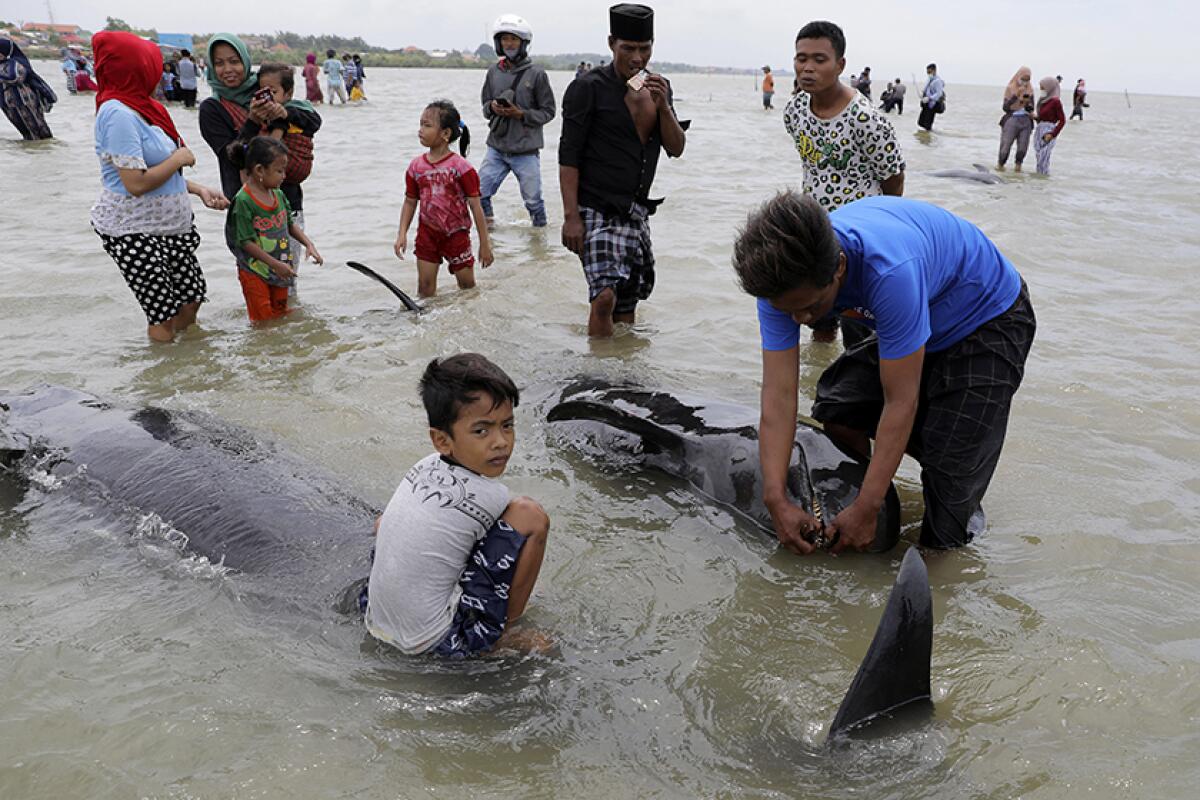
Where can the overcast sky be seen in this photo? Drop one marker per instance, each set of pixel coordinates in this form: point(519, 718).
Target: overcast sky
point(1139, 46)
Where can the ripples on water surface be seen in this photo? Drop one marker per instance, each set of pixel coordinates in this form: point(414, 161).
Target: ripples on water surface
point(696, 661)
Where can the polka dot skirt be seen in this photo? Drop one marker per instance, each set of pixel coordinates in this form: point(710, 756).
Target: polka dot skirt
point(162, 271)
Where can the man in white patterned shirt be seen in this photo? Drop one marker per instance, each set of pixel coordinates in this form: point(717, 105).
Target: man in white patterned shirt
point(848, 147)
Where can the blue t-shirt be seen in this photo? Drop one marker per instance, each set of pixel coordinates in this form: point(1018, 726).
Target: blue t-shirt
point(125, 140)
point(918, 274)
point(333, 69)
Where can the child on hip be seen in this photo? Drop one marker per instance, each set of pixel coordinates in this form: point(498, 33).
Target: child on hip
point(262, 223)
point(294, 122)
point(444, 186)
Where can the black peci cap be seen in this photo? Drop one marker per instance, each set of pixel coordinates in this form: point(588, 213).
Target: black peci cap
point(631, 22)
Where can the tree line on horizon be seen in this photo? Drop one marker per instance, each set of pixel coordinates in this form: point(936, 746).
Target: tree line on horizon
point(291, 48)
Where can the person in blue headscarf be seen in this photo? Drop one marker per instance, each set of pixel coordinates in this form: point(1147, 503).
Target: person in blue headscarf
point(24, 97)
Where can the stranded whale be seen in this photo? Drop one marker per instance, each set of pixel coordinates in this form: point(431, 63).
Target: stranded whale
point(714, 447)
point(239, 501)
point(252, 507)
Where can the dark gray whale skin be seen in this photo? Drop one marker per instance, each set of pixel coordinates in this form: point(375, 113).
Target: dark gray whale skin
point(714, 447)
point(894, 675)
point(240, 501)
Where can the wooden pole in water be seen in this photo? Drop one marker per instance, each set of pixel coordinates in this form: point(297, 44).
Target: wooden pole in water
point(1127, 103)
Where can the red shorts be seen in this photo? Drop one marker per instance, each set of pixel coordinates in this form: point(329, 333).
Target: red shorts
point(263, 301)
point(454, 248)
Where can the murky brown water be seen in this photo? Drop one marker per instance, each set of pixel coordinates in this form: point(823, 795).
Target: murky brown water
point(697, 661)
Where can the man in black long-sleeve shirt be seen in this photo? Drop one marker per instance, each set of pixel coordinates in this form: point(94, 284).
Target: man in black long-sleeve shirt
point(615, 119)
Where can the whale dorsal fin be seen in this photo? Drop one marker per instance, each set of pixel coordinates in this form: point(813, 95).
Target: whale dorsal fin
point(895, 671)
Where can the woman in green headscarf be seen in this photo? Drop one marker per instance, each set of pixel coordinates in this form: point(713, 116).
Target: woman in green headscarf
point(232, 112)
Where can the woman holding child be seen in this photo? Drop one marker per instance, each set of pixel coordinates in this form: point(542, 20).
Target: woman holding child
point(232, 112)
point(245, 105)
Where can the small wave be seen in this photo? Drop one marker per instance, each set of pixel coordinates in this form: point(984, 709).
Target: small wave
point(153, 530)
point(45, 480)
point(39, 469)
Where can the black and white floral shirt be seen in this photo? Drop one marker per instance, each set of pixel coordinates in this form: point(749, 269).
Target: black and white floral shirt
point(847, 157)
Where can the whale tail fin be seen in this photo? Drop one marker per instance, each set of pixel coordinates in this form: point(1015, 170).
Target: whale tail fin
point(895, 672)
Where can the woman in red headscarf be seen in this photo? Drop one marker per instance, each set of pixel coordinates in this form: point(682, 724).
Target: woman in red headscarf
point(144, 215)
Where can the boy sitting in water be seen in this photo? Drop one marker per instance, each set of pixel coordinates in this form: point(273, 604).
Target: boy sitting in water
point(455, 557)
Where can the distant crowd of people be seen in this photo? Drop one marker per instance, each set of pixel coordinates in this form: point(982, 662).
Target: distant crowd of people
point(1022, 117)
point(179, 79)
point(345, 79)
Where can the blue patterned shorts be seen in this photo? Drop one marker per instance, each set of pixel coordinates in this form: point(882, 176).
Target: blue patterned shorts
point(482, 610)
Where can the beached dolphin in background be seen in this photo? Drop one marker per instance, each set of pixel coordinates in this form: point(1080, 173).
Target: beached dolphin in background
point(239, 501)
point(714, 447)
point(981, 174)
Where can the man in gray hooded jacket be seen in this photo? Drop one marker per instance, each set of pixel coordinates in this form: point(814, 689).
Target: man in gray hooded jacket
point(517, 103)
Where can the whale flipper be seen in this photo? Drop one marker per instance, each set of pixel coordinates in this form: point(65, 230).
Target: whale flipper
point(895, 671)
point(651, 433)
point(408, 302)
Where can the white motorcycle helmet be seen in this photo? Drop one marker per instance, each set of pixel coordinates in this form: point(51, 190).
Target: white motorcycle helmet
point(517, 26)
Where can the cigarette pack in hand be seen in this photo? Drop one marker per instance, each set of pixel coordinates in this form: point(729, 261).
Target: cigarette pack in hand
point(637, 81)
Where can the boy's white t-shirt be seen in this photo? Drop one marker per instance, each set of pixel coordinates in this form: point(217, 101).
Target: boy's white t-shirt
point(437, 514)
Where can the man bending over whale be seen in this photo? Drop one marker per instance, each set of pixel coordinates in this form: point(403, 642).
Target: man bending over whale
point(953, 326)
point(455, 558)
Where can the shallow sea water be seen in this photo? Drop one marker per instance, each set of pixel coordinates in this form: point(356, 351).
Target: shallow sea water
point(695, 659)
